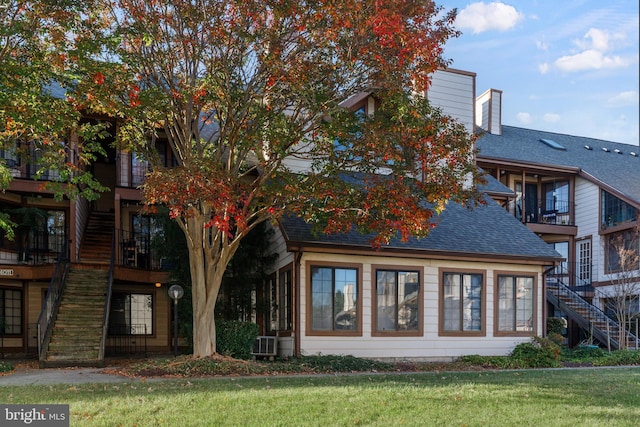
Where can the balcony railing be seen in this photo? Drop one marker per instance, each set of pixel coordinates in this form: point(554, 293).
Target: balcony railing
point(552, 212)
point(39, 248)
point(138, 251)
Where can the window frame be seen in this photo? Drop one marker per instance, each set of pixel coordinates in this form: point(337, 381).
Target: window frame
point(628, 237)
point(285, 298)
point(441, 303)
point(153, 313)
point(496, 315)
point(20, 316)
point(375, 332)
point(309, 331)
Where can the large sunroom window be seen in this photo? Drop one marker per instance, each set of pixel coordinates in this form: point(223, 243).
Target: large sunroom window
point(515, 305)
point(397, 301)
point(461, 304)
point(615, 211)
point(334, 300)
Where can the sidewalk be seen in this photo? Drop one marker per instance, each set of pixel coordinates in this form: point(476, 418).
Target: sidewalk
point(35, 376)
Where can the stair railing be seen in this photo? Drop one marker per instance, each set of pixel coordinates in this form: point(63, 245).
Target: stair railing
point(107, 303)
point(596, 315)
point(628, 334)
point(51, 301)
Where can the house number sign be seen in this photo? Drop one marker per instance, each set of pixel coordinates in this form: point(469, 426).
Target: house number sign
point(6, 271)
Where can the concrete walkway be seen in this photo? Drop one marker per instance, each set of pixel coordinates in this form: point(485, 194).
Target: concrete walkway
point(31, 376)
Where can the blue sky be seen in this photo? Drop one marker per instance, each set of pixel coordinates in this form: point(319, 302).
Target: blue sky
point(566, 66)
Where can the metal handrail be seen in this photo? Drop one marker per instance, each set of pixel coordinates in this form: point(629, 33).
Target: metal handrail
point(52, 300)
point(595, 313)
point(107, 303)
point(628, 334)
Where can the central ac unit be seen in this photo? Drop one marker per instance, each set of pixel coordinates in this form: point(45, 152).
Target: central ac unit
point(265, 346)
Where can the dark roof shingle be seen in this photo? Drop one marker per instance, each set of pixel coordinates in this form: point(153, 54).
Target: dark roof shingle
point(619, 170)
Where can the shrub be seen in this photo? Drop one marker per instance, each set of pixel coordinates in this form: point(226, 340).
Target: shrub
point(539, 353)
point(618, 358)
point(235, 338)
point(5, 367)
point(556, 325)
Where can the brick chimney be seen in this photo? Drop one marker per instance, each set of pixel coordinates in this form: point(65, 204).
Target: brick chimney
point(489, 111)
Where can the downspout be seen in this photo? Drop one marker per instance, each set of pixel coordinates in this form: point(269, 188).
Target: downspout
point(296, 306)
point(545, 312)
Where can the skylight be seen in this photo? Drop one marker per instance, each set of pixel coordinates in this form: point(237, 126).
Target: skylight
point(551, 143)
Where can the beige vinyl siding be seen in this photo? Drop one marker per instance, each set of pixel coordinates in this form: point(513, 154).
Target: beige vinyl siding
point(430, 346)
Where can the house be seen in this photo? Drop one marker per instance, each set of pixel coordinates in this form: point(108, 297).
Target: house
point(581, 196)
point(104, 251)
point(475, 285)
point(479, 284)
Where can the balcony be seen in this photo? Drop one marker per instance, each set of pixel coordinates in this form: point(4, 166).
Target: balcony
point(137, 250)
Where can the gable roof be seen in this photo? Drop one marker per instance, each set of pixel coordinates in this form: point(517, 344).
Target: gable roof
point(618, 170)
point(487, 231)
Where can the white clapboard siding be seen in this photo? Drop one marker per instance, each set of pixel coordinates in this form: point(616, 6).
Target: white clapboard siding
point(453, 91)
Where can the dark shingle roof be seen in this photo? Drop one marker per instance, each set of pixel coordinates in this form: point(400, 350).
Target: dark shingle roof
point(619, 171)
point(495, 187)
point(486, 231)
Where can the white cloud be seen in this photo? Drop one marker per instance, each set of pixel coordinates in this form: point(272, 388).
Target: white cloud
point(551, 117)
point(624, 99)
point(599, 40)
point(543, 68)
point(480, 17)
point(524, 118)
point(593, 46)
point(589, 60)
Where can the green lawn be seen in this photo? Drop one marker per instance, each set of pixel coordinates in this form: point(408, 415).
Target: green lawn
point(573, 397)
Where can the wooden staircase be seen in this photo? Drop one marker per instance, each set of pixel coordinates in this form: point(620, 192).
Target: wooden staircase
point(96, 243)
point(589, 317)
point(77, 333)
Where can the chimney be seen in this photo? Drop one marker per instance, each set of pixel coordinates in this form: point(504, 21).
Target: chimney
point(489, 111)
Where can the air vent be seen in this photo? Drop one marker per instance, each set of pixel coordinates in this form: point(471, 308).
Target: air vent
point(634, 154)
point(605, 149)
point(617, 151)
point(588, 147)
point(553, 144)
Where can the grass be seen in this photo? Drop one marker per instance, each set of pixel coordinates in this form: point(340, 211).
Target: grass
point(586, 397)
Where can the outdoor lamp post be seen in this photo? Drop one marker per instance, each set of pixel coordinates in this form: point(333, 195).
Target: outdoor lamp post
point(175, 292)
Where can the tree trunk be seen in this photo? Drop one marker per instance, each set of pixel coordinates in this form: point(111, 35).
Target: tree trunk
point(207, 264)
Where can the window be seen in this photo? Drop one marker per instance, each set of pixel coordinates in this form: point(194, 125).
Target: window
point(397, 301)
point(139, 169)
point(145, 230)
point(556, 203)
point(334, 300)
point(615, 211)
point(515, 301)
point(10, 311)
point(48, 233)
point(622, 251)
point(563, 249)
point(462, 303)
point(131, 314)
point(284, 298)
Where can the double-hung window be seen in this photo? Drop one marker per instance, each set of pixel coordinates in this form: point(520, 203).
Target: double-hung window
point(334, 304)
point(462, 298)
point(398, 299)
point(515, 305)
